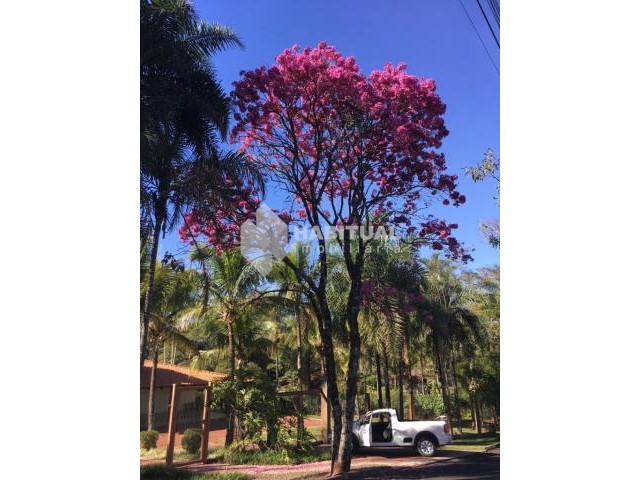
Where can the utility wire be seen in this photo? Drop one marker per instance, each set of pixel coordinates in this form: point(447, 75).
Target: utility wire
point(479, 37)
point(495, 9)
point(488, 23)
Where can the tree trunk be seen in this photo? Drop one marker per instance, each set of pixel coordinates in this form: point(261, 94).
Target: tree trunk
point(231, 367)
point(148, 297)
point(152, 390)
point(442, 376)
point(353, 309)
point(400, 410)
point(378, 380)
point(325, 327)
point(407, 358)
point(477, 414)
point(455, 390)
point(422, 373)
point(387, 386)
point(299, 404)
point(332, 390)
point(410, 404)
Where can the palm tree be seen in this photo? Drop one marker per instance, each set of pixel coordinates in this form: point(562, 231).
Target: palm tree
point(184, 113)
point(454, 325)
point(387, 320)
point(292, 299)
point(482, 368)
point(231, 284)
point(174, 291)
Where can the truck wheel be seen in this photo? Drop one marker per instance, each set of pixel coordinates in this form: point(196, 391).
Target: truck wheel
point(355, 448)
point(426, 447)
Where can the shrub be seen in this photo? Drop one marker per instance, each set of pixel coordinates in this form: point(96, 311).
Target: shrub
point(191, 440)
point(162, 472)
point(283, 456)
point(148, 439)
point(431, 404)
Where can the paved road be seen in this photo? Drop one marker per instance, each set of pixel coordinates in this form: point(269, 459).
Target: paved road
point(449, 465)
point(478, 466)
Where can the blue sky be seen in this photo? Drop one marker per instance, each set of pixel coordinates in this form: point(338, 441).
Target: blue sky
point(435, 39)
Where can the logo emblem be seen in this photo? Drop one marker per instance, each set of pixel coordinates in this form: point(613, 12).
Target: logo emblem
point(265, 240)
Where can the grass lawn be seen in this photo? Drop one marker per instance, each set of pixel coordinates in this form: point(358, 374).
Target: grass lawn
point(470, 442)
point(179, 454)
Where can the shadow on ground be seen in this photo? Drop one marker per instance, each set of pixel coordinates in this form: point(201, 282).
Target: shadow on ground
point(477, 466)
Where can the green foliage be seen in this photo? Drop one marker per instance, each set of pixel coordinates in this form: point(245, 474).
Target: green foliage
point(252, 395)
point(488, 168)
point(192, 439)
point(148, 439)
point(282, 456)
point(430, 404)
point(289, 435)
point(162, 472)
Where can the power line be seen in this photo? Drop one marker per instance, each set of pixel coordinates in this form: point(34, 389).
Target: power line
point(495, 10)
point(479, 37)
point(488, 23)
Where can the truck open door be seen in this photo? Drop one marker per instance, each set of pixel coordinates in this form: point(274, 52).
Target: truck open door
point(365, 431)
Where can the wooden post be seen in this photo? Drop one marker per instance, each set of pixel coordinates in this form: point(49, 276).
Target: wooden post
point(204, 446)
point(173, 410)
point(325, 414)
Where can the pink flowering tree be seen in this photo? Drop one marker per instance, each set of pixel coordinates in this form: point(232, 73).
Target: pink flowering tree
point(350, 150)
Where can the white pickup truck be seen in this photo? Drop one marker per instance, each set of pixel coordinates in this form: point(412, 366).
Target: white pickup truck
point(381, 428)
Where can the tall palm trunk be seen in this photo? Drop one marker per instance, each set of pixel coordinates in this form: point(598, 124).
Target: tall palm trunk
point(148, 297)
point(231, 367)
point(400, 410)
point(152, 390)
point(455, 389)
point(410, 385)
point(442, 375)
point(422, 374)
point(378, 380)
point(477, 413)
point(387, 386)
